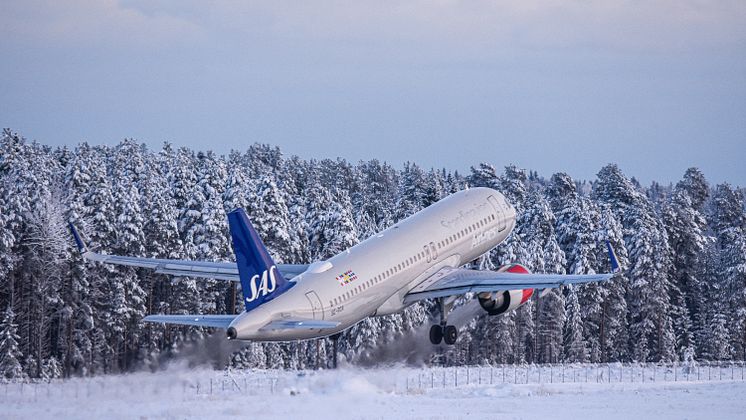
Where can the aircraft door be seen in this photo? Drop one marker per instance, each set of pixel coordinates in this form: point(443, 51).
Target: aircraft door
point(502, 220)
point(318, 310)
point(427, 253)
point(434, 251)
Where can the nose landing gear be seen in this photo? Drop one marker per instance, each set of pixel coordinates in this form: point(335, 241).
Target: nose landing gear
point(443, 331)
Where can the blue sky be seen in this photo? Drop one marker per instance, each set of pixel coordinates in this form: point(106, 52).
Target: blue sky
point(655, 86)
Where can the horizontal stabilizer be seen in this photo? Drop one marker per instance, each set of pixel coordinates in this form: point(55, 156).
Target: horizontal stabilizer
point(299, 324)
point(213, 321)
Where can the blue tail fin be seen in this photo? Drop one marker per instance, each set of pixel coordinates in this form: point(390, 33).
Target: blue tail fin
point(260, 279)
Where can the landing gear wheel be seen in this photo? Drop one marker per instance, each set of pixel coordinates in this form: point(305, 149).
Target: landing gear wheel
point(436, 334)
point(450, 334)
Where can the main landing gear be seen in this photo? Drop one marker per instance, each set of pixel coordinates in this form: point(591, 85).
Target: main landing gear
point(443, 331)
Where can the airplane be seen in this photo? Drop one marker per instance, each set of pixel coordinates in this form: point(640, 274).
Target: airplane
point(418, 258)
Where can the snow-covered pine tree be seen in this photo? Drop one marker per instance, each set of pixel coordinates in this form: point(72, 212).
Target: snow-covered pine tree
point(10, 354)
point(127, 294)
point(727, 285)
point(338, 227)
point(293, 182)
point(542, 254)
point(270, 218)
point(210, 231)
point(550, 324)
point(379, 186)
point(574, 345)
point(411, 195)
point(50, 369)
point(77, 312)
point(162, 240)
point(434, 187)
point(686, 227)
point(483, 175)
point(613, 330)
point(651, 328)
point(577, 227)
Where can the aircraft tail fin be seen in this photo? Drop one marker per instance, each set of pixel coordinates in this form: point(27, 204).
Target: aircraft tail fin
point(260, 279)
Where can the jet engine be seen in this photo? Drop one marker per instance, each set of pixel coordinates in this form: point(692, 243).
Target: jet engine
point(496, 303)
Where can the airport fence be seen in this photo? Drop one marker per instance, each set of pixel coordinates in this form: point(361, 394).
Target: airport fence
point(455, 377)
point(402, 380)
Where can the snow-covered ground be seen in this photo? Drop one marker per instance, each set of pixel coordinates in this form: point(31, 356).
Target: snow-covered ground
point(350, 393)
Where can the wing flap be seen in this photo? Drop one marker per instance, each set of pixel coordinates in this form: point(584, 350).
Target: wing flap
point(299, 324)
point(212, 321)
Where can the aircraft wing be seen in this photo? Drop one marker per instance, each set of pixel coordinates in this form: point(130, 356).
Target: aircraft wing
point(457, 281)
point(184, 268)
point(214, 321)
point(299, 324)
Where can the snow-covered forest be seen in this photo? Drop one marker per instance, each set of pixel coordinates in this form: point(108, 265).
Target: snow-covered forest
point(682, 294)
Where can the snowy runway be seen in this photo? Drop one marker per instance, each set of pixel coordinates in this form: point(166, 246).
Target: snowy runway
point(368, 393)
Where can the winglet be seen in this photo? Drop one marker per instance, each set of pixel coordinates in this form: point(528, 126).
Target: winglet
point(78, 241)
point(612, 258)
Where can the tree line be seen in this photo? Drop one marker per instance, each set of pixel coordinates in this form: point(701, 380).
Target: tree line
point(682, 247)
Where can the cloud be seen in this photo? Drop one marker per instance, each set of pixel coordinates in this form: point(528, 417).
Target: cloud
point(91, 23)
point(479, 25)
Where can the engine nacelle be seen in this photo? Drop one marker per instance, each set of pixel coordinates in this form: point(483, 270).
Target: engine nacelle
point(496, 303)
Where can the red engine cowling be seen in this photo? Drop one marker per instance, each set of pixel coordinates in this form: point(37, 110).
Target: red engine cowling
point(496, 303)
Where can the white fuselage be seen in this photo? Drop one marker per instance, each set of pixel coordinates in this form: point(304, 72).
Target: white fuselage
point(373, 277)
